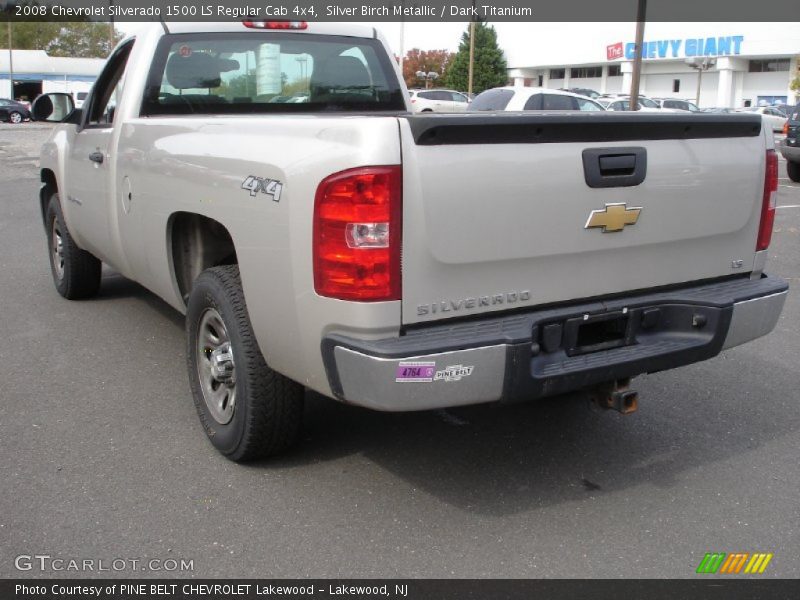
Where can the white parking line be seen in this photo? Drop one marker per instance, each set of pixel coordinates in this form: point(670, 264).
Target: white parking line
point(794, 187)
point(789, 206)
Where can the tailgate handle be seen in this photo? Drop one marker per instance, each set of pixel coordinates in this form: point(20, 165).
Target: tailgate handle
point(617, 164)
point(614, 167)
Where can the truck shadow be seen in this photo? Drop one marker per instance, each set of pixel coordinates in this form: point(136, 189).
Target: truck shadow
point(503, 459)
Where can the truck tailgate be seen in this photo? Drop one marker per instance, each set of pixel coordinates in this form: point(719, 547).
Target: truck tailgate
point(496, 207)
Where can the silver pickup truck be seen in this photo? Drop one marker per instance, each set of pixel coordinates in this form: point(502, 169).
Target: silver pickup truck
point(269, 180)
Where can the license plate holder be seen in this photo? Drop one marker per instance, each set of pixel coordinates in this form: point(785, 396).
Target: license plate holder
point(594, 333)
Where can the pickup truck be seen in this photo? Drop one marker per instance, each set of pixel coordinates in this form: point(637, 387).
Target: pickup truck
point(270, 181)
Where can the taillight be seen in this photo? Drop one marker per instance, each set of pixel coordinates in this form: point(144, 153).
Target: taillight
point(769, 201)
point(786, 128)
point(275, 24)
point(357, 234)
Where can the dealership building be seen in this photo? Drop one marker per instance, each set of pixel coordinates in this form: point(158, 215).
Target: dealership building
point(737, 64)
point(35, 72)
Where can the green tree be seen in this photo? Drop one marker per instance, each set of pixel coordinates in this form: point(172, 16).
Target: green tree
point(86, 39)
point(489, 69)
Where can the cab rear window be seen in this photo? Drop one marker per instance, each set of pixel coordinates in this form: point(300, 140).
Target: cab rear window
point(269, 72)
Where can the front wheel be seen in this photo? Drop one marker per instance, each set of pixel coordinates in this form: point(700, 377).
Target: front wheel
point(793, 170)
point(247, 410)
point(76, 273)
point(15, 117)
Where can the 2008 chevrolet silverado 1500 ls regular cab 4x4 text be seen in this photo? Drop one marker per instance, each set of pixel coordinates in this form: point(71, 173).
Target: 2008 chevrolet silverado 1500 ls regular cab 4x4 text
point(269, 180)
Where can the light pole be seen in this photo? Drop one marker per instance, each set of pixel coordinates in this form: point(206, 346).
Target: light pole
point(641, 16)
point(700, 64)
point(427, 77)
point(10, 64)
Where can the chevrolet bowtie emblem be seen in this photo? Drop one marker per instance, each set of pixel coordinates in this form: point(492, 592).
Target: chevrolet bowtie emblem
point(613, 217)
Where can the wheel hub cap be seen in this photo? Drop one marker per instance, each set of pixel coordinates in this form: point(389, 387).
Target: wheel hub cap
point(216, 367)
point(57, 250)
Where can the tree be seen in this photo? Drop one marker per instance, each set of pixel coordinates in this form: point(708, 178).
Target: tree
point(489, 69)
point(88, 39)
point(429, 61)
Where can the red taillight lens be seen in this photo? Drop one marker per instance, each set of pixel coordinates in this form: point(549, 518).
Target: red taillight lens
point(357, 234)
point(275, 24)
point(769, 201)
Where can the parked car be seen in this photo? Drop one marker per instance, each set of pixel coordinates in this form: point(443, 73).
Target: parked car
point(644, 105)
point(12, 111)
point(718, 110)
point(676, 104)
point(515, 98)
point(790, 147)
point(397, 261)
point(80, 98)
point(772, 116)
point(440, 101)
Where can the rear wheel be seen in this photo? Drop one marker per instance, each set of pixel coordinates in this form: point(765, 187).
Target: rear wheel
point(76, 273)
point(247, 410)
point(15, 117)
point(793, 170)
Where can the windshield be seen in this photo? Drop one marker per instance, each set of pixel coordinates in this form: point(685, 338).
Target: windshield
point(254, 72)
point(647, 103)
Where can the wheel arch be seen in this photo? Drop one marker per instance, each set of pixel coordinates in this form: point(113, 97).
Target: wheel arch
point(195, 243)
point(48, 187)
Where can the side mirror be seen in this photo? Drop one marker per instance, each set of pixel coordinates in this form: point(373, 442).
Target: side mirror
point(53, 108)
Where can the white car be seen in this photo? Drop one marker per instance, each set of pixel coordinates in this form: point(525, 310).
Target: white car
point(645, 105)
point(441, 101)
point(80, 98)
point(676, 104)
point(769, 114)
point(531, 98)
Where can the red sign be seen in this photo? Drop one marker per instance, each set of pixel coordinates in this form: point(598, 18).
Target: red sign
point(614, 51)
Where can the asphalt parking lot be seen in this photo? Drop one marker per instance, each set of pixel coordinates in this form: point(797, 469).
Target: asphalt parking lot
point(104, 457)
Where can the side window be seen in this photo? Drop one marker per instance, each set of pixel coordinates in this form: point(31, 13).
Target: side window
point(533, 103)
point(587, 105)
point(458, 97)
point(428, 95)
point(496, 99)
point(557, 102)
point(443, 96)
point(108, 89)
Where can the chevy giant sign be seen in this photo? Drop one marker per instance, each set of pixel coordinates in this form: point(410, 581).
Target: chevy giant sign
point(712, 46)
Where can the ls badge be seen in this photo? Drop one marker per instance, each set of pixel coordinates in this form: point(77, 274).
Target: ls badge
point(613, 217)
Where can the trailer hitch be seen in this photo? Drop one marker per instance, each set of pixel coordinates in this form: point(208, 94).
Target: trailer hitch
point(616, 395)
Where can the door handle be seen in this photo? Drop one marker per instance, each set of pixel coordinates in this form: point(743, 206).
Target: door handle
point(96, 157)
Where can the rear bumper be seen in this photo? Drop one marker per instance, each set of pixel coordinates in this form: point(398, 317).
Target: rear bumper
point(551, 351)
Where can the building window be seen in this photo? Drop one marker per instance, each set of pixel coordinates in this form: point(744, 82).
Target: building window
point(676, 86)
point(582, 72)
point(769, 66)
point(614, 70)
point(557, 73)
point(541, 80)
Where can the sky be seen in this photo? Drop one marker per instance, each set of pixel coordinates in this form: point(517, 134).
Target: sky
point(426, 36)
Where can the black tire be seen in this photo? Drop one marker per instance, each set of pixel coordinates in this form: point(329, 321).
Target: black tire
point(15, 117)
point(793, 170)
point(267, 410)
point(76, 274)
